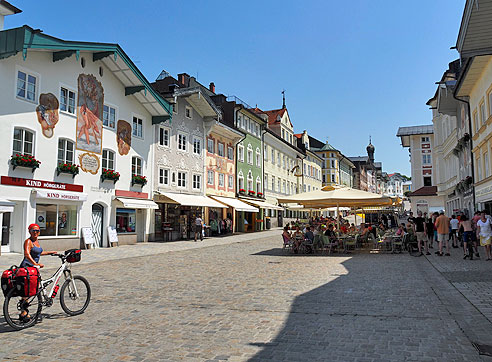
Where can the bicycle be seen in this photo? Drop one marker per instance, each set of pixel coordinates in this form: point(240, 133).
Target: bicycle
point(75, 289)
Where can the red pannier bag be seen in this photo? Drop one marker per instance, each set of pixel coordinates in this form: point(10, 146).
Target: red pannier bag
point(8, 280)
point(27, 281)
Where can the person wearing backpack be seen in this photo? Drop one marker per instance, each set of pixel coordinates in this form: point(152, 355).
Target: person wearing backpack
point(32, 254)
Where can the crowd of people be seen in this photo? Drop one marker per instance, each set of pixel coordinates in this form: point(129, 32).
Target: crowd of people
point(456, 232)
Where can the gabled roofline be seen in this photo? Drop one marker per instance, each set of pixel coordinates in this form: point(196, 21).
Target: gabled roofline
point(464, 24)
point(182, 92)
point(11, 7)
point(16, 40)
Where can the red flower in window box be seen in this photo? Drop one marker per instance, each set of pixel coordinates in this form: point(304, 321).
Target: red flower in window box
point(67, 168)
point(259, 194)
point(139, 180)
point(111, 175)
point(251, 192)
point(242, 191)
point(28, 161)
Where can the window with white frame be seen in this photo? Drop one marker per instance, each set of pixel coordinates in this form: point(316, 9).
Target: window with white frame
point(164, 136)
point(483, 117)
point(332, 178)
point(182, 179)
point(250, 181)
point(164, 176)
point(475, 121)
point(220, 149)
point(240, 153)
point(65, 151)
point(309, 188)
point(210, 145)
point(210, 177)
point(479, 169)
point(240, 181)
point(258, 185)
point(26, 86)
point(137, 164)
point(279, 185)
point(426, 159)
point(197, 146)
point(230, 153)
point(258, 157)
point(486, 164)
point(108, 159)
point(67, 100)
point(137, 127)
point(231, 182)
point(221, 180)
point(197, 182)
point(265, 153)
point(188, 112)
point(273, 156)
point(250, 155)
point(273, 183)
point(182, 140)
point(283, 186)
point(23, 142)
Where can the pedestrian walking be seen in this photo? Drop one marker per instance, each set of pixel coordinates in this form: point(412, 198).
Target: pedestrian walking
point(485, 232)
point(454, 222)
point(419, 227)
point(467, 237)
point(198, 227)
point(442, 226)
point(429, 230)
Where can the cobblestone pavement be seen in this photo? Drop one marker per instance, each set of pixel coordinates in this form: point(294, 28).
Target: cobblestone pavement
point(250, 301)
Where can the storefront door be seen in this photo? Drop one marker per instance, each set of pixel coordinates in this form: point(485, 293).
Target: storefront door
point(6, 232)
point(97, 223)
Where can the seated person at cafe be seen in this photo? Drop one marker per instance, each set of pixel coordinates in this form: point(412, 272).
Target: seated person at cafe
point(363, 229)
point(344, 228)
point(401, 230)
point(309, 234)
point(352, 228)
point(286, 235)
point(331, 234)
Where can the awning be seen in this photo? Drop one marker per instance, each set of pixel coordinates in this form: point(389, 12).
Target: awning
point(61, 195)
point(6, 206)
point(192, 200)
point(236, 204)
point(137, 203)
point(263, 204)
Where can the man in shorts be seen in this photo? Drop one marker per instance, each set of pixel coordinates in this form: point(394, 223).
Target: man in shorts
point(198, 227)
point(419, 228)
point(442, 226)
point(454, 230)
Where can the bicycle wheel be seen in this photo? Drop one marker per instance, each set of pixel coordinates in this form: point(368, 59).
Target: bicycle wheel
point(75, 295)
point(14, 305)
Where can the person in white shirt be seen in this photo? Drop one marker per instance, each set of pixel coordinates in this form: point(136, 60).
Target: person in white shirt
point(454, 222)
point(484, 229)
point(198, 227)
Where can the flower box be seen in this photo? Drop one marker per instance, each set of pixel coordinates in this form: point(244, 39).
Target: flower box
point(259, 194)
point(251, 192)
point(110, 175)
point(27, 161)
point(69, 168)
point(139, 180)
point(242, 191)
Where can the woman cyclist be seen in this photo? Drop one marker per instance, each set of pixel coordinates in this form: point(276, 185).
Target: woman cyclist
point(32, 253)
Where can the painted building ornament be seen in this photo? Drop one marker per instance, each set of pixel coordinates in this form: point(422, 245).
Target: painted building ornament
point(47, 112)
point(89, 162)
point(123, 137)
point(90, 103)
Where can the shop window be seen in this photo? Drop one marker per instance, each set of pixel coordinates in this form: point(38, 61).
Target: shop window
point(231, 182)
point(23, 142)
point(56, 220)
point(26, 86)
point(210, 177)
point(182, 179)
point(137, 166)
point(137, 127)
point(108, 159)
point(67, 101)
point(164, 176)
point(125, 220)
point(197, 182)
point(163, 136)
point(182, 139)
point(197, 146)
point(65, 151)
point(220, 148)
point(230, 153)
point(221, 180)
point(210, 145)
point(109, 116)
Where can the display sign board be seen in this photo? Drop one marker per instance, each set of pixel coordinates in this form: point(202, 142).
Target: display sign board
point(60, 195)
point(88, 236)
point(89, 162)
point(112, 235)
point(24, 182)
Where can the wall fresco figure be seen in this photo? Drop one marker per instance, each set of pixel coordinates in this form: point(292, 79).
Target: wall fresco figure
point(47, 112)
point(90, 103)
point(124, 137)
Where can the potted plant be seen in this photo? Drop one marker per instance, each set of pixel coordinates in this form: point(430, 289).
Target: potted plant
point(259, 194)
point(24, 160)
point(251, 193)
point(111, 175)
point(242, 191)
point(67, 168)
point(139, 180)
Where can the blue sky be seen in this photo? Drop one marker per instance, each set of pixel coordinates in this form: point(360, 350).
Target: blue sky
point(350, 69)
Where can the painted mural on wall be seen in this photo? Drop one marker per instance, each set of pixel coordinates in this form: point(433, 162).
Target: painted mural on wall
point(47, 112)
point(123, 137)
point(90, 103)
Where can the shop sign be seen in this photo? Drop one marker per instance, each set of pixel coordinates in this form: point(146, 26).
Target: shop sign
point(24, 182)
point(483, 191)
point(60, 195)
point(133, 194)
point(89, 162)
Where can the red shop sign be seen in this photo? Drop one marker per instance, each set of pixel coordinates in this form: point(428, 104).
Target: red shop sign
point(24, 182)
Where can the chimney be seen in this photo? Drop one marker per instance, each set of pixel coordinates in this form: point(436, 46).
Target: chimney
point(183, 79)
point(211, 87)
